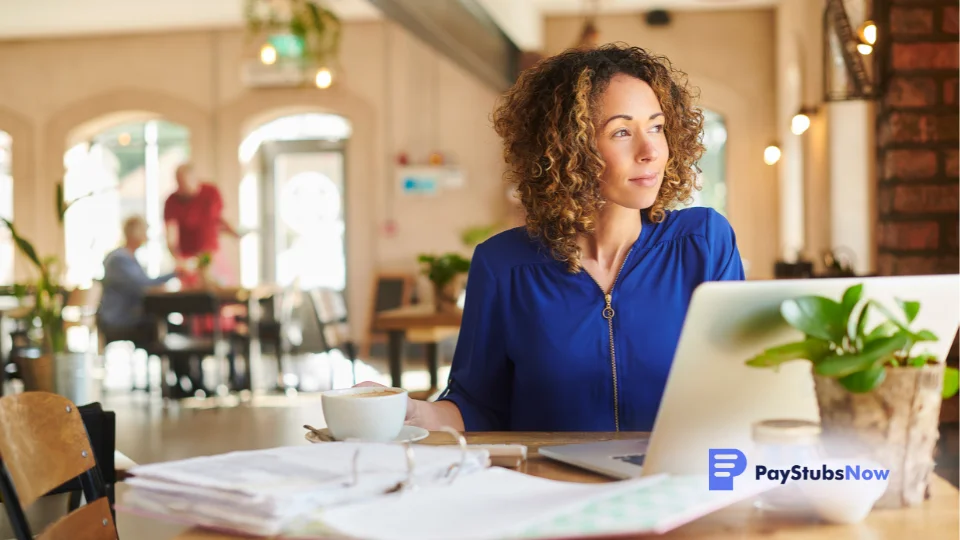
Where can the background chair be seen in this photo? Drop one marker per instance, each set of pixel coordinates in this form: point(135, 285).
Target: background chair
point(45, 446)
point(335, 331)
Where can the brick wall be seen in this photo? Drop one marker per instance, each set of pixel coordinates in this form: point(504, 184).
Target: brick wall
point(918, 135)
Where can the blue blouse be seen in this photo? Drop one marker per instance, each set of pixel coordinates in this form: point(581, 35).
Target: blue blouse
point(539, 350)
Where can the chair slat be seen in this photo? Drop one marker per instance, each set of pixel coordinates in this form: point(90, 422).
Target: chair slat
point(43, 443)
point(91, 522)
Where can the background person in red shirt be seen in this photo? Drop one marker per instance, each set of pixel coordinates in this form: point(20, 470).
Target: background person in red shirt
point(194, 219)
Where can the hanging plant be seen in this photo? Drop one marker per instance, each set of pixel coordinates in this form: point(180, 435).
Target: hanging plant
point(315, 28)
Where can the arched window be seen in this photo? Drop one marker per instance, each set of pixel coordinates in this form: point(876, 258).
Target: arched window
point(713, 164)
point(113, 173)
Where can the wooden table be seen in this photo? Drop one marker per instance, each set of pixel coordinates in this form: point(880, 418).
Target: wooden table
point(937, 518)
point(223, 296)
point(419, 323)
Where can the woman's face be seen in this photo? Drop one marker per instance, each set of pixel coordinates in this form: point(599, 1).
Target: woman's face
point(632, 143)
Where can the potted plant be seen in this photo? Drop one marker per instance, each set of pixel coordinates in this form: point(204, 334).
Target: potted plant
point(877, 397)
point(46, 314)
point(442, 271)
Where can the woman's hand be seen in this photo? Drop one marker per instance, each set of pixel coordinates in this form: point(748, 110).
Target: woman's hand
point(431, 416)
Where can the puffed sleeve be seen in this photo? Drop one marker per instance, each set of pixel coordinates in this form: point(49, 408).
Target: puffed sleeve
point(481, 375)
point(725, 256)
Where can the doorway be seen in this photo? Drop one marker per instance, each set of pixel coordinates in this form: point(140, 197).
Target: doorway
point(303, 203)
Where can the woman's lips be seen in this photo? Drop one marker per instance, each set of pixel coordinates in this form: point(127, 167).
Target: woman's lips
point(645, 180)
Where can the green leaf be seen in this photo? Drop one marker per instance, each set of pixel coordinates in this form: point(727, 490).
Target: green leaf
point(22, 244)
point(925, 335)
point(921, 360)
point(851, 297)
point(841, 366)
point(910, 309)
point(882, 330)
point(816, 316)
point(809, 349)
point(864, 381)
point(862, 321)
point(951, 382)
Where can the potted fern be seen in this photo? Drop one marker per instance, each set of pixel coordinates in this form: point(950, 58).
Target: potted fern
point(877, 396)
point(443, 271)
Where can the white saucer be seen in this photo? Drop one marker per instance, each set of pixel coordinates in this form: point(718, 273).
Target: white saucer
point(407, 434)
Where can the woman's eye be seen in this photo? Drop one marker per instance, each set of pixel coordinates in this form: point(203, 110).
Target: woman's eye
point(621, 133)
point(658, 128)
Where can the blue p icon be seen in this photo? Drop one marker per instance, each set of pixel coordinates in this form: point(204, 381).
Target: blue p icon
point(725, 463)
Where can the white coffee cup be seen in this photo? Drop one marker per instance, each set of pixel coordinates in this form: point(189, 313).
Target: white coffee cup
point(369, 413)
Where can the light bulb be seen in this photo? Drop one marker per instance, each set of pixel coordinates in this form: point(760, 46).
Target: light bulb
point(869, 32)
point(324, 78)
point(771, 155)
point(799, 124)
point(268, 54)
point(864, 49)
point(123, 139)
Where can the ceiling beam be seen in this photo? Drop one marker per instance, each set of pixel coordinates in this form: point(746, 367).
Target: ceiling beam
point(464, 32)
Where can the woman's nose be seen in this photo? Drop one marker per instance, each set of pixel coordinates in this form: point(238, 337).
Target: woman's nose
point(646, 150)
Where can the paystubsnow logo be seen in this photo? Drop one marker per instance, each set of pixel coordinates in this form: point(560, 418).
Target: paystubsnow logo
point(728, 463)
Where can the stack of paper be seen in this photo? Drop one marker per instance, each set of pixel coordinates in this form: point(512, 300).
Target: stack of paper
point(266, 492)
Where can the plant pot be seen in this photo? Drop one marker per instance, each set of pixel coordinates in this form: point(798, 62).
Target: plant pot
point(445, 297)
point(38, 373)
point(68, 374)
point(895, 425)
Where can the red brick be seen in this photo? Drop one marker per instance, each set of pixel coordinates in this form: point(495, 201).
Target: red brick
point(950, 92)
point(911, 92)
point(950, 25)
point(885, 199)
point(951, 163)
point(926, 56)
point(909, 164)
point(909, 235)
point(908, 127)
point(911, 21)
point(892, 265)
point(926, 199)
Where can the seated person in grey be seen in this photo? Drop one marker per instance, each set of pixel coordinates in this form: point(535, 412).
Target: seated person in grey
point(120, 316)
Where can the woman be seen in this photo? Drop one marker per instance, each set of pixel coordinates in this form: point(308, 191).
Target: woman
point(571, 323)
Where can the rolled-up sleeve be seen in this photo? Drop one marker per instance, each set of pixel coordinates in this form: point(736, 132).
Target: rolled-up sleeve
point(481, 374)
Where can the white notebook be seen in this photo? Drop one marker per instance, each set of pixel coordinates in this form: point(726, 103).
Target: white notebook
point(298, 493)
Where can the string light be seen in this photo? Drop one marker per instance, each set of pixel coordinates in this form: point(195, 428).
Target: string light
point(771, 154)
point(268, 54)
point(324, 78)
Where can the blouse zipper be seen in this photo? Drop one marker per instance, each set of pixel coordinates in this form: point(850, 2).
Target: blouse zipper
point(608, 314)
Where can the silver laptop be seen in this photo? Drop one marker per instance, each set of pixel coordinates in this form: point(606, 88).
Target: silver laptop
point(712, 399)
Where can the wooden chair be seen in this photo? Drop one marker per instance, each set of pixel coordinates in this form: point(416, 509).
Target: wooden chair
point(44, 445)
point(331, 311)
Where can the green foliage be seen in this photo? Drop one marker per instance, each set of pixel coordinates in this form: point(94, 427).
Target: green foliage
point(444, 268)
point(48, 295)
point(839, 345)
point(313, 24)
point(474, 235)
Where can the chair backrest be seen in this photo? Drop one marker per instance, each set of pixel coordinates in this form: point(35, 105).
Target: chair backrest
point(331, 310)
point(43, 445)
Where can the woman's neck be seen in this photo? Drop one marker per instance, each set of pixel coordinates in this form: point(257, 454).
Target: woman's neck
point(616, 230)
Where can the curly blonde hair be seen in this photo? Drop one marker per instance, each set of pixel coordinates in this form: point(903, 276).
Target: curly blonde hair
point(547, 123)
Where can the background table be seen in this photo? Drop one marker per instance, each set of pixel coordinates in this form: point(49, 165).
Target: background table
point(419, 323)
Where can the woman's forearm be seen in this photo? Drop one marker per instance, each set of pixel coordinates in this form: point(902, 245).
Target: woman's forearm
point(434, 415)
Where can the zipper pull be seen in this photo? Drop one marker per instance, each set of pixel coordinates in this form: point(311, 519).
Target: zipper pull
point(608, 311)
